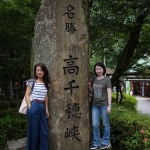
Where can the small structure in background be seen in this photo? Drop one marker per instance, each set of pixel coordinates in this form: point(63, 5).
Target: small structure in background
point(109, 72)
point(139, 85)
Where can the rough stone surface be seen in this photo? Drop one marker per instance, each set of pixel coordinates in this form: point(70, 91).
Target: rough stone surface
point(109, 147)
point(16, 145)
point(54, 43)
point(21, 143)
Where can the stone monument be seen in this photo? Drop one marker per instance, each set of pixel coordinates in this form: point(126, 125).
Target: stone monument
point(61, 43)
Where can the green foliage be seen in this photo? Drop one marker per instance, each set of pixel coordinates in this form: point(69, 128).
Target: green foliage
point(126, 127)
point(16, 33)
point(119, 32)
point(110, 25)
point(13, 104)
point(129, 130)
point(4, 105)
point(113, 96)
point(12, 126)
point(128, 101)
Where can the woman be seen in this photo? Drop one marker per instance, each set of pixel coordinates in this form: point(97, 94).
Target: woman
point(101, 106)
point(37, 110)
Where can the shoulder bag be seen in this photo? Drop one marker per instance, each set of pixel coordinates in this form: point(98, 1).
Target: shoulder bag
point(23, 106)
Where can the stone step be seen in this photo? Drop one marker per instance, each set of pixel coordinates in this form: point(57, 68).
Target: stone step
point(109, 147)
point(16, 145)
point(21, 145)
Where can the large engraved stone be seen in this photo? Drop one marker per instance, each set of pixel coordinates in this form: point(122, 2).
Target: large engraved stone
point(61, 43)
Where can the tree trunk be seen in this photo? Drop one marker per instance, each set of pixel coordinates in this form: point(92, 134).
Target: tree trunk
point(61, 43)
point(127, 54)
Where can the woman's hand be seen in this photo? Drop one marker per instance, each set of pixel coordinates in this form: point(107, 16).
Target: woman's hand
point(89, 83)
point(47, 113)
point(108, 109)
point(89, 86)
point(29, 106)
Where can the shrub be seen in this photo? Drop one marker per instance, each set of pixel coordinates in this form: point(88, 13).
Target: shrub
point(129, 130)
point(113, 95)
point(10, 104)
point(12, 126)
point(13, 104)
point(4, 105)
point(128, 101)
point(21, 94)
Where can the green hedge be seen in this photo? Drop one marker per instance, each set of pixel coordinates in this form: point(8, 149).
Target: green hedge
point(4, 105)
point(128, 101)
point(129, 129)
point(12, 126)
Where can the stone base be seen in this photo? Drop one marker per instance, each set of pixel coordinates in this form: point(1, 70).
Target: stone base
point(109, 147)
point(16, 145)
point(21, 145)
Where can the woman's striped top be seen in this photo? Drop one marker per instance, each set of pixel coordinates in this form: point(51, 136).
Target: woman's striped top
point(39, 91)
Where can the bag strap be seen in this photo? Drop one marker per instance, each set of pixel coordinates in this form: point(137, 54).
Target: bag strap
point(92, 93)
point(33, 85)
point(92, 82)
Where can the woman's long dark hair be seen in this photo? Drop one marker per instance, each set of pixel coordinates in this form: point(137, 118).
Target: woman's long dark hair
point(46, 79)
point(101, 65)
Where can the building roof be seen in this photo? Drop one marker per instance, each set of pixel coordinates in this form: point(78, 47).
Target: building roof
point(110, 71)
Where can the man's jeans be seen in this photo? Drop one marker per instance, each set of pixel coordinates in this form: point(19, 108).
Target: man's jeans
point(98, 111)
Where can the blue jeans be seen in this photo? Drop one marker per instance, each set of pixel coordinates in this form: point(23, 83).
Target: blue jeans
point(98, 111)
point(37, 136)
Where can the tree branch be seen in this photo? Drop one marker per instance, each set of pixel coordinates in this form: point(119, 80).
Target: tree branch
point(128, 52)
point(90, 3)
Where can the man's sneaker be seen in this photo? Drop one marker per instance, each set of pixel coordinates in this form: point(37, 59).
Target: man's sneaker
point(103, 146)
point(95, 148)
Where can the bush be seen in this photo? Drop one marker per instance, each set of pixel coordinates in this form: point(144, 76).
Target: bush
point(13, 104)
point(113, 95)
point(128, 101)
point(21, 94)
point(4, 105)
point(12, 126)
point(129, 130)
